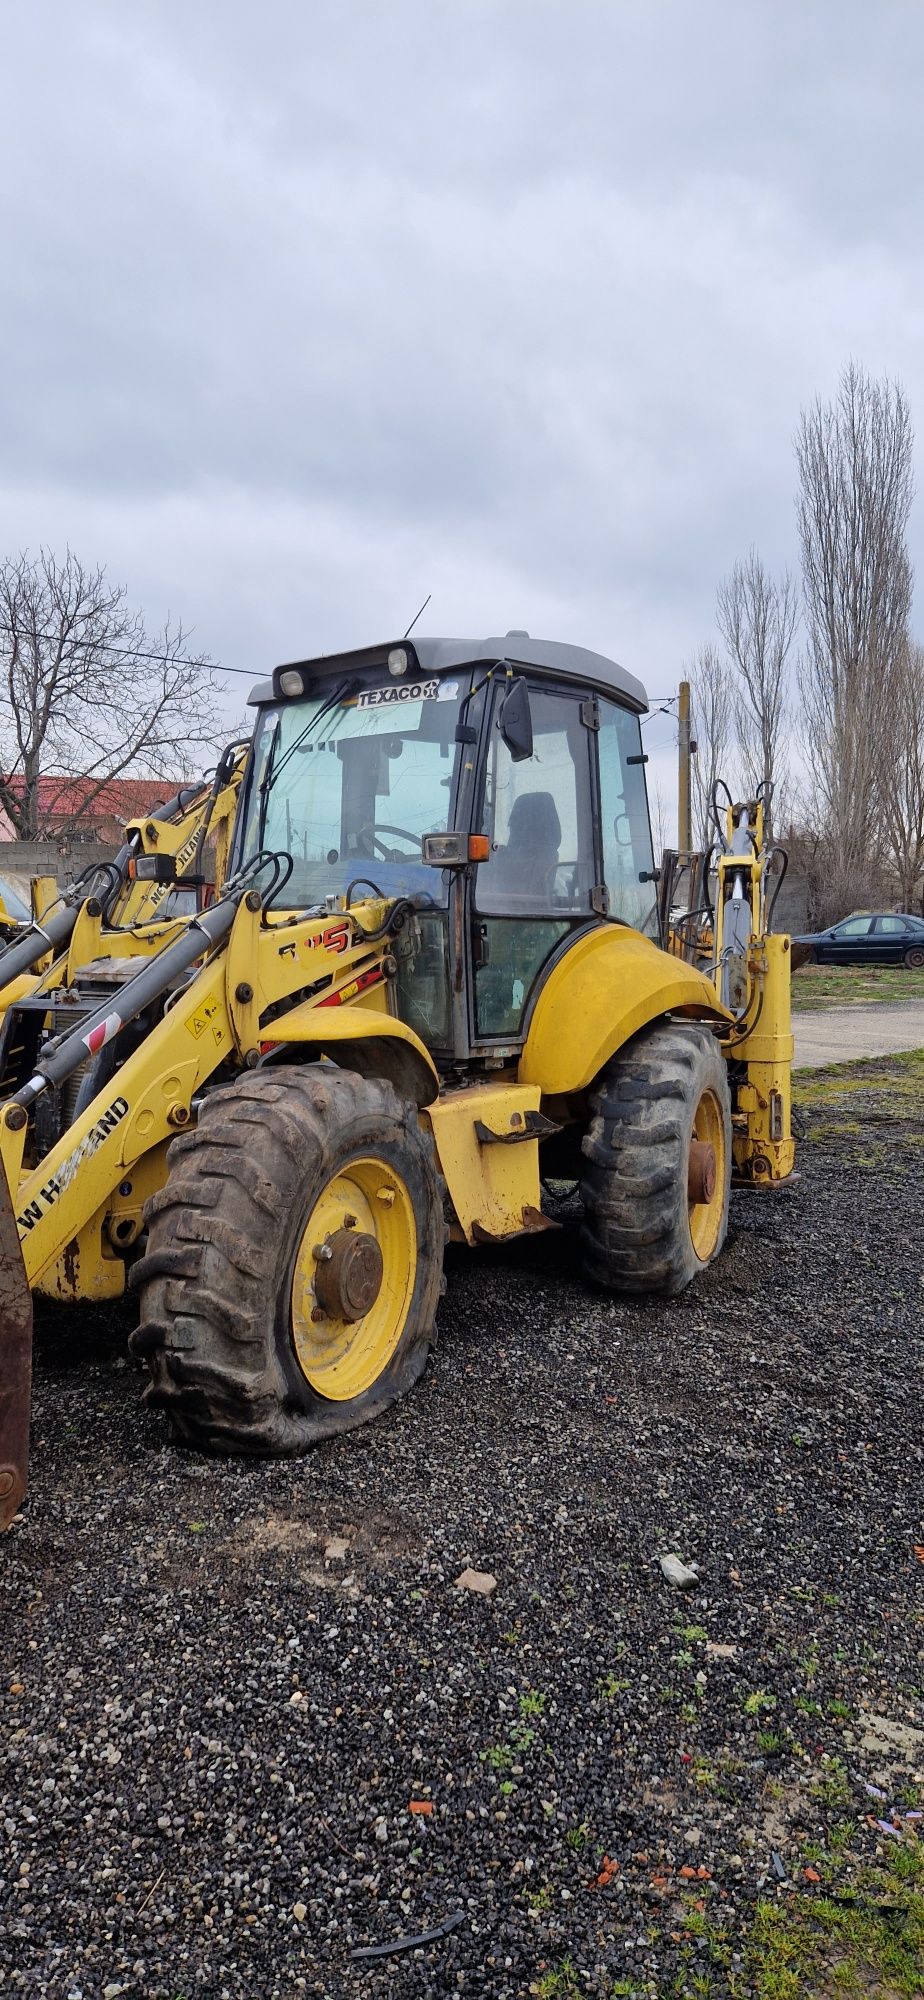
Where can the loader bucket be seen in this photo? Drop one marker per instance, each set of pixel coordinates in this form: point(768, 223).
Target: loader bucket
point(15, 1363)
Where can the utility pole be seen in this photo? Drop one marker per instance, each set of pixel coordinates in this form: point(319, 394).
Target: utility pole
point(684, 818)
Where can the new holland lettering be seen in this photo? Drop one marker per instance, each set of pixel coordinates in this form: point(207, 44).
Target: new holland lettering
point(59, 1181)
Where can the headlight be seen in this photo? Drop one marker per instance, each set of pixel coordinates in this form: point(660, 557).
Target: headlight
point(291, 682)
point(397, 661)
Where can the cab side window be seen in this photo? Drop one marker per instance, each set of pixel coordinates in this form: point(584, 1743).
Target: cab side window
point(628, 863)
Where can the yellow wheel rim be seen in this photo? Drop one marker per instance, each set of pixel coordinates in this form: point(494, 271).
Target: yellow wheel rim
point(706, 1216)
point(341, 1349)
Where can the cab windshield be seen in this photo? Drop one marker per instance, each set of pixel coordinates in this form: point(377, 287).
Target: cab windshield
point(348, 781)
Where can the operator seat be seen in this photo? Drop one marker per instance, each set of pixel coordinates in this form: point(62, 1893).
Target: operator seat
point(530, 857)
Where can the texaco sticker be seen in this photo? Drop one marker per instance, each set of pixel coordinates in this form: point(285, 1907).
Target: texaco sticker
point(394, 696)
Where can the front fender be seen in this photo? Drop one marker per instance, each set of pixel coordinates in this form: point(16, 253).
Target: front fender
point(610, 983)
point(372, 1043)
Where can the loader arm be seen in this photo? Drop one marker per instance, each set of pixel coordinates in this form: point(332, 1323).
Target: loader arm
point(216, 1019)
point(128, 897)
point(315, 982)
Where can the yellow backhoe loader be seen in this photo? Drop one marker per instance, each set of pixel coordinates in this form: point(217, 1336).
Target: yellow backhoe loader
point(431, 977)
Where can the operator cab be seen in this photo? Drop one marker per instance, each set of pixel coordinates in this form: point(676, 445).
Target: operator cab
point(497, 784)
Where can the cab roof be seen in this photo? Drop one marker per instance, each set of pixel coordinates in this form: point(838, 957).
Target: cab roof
point(436, 656)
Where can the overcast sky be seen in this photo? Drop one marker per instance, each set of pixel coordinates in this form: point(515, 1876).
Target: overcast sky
point(314, 306)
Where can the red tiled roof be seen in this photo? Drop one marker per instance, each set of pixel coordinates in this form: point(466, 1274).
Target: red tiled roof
point(119, 799)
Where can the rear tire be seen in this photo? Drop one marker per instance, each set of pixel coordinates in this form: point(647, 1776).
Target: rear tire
point(914, 957)
point(241, 1354)
point(642, 1233)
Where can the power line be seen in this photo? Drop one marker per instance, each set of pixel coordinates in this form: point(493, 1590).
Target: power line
point(137, 653)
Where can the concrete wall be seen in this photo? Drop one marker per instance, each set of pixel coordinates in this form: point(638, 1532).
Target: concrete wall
point(22, 859)
point(791, 912)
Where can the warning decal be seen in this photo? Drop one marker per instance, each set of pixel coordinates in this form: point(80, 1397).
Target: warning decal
point(199, 1021)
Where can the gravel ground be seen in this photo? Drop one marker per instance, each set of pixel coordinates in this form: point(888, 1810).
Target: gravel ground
point(225, 1682)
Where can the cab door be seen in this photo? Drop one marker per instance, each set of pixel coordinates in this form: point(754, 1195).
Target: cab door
point(539, 882)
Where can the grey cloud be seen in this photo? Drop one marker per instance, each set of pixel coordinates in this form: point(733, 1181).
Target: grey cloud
point(309, 310)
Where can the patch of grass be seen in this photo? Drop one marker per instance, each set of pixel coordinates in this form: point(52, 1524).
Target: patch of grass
point(712, 1943)
point(810, 1664)
point(870, 1941)
point(832, 1786)
point(502, 1756)
point(895, 1083)
point(498, 1756)
point(576, 1836)
point(841, 1710)
point(541, 1901)
point(770, 1743)
point(611, 1686)
point(704, 1774)
point(754, 1704)
point(693, 1634)
point(808, 1707)
point(826, 986)
point(841, 1835)
point(559, 1983)
point(840, 1128)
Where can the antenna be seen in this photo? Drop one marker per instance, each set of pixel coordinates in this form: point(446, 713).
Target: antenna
point(417, 614)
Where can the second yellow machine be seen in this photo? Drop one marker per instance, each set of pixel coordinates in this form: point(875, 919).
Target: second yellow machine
point(430, 978)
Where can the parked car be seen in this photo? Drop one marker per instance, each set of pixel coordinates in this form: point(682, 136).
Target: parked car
point(873, 938)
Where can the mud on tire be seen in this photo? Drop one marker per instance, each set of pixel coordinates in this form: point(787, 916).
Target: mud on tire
point(638, 1229)
point(215, 1282)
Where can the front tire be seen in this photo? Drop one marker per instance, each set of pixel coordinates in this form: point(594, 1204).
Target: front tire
point(294, 1262)
point(654, 1215)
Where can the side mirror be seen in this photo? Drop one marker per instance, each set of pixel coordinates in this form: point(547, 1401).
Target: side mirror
point(516, 722)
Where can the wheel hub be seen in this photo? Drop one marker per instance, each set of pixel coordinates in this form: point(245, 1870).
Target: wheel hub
point(702, 1172)
point(349, 1275)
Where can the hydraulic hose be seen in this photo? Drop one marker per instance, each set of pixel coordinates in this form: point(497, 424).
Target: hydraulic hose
point(62, 1056)
point(24, 953)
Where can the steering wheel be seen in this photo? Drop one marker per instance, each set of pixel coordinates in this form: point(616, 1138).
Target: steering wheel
point(374, 828)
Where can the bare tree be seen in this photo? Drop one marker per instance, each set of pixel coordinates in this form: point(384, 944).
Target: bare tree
point(856, 487)
point(757, 617)
point(659, 820)
point(712, 716)
point(89, 691)
point(902, 787)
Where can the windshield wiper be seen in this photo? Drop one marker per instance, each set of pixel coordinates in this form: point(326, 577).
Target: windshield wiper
point(273, 770)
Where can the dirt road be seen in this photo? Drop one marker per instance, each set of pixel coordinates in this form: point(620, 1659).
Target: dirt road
point(847, 1034)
